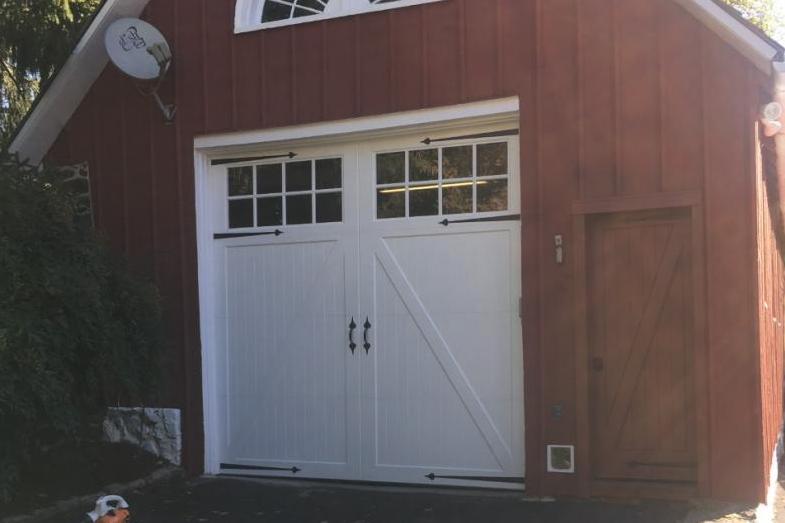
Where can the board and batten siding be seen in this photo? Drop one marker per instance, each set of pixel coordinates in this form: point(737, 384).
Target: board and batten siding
point(620, 100)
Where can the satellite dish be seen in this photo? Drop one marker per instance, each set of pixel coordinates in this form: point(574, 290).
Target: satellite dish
point(132, 45)
point(140, 50)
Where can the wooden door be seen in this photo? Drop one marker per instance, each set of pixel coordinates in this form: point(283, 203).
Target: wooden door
point(640, 327)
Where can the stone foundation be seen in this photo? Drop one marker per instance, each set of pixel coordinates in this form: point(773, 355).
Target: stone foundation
point(154, 430)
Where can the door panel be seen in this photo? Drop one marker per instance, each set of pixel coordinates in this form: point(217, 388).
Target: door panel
point(442, 384)
point(640, 342)
point(288, 382)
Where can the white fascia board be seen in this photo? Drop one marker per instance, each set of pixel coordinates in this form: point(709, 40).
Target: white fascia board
point(752, 46)
point(71, 84)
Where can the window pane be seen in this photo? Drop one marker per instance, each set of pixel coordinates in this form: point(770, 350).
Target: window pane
point(318, 5)
point(268, 179)
point(240, 213)
point(328, 173)
point(240, 181)
point(298, 209)
point(274, 11)
point(457, 200)
point(424, 202)
point(457, 162)
point(391, 203)
point(390, 168)
point(298, 176)
point(492, 159)
point(492, 195)
point(328, 207)
point(269, 211)
point(424, 165)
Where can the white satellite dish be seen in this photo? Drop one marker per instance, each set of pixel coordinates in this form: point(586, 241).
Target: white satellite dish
point(140, 50)
point(130, 43)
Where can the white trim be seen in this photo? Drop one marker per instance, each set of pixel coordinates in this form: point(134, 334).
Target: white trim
point(248, 13)
point(752, 46)
point(71, 84)
point(207, 148)
point(341, 129)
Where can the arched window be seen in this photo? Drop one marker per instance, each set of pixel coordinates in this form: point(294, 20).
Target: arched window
point(252, 15)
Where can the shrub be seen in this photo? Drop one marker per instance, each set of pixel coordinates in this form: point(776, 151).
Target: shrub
point(78, 331)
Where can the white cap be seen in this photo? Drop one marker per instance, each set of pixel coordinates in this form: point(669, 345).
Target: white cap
point(106, 504)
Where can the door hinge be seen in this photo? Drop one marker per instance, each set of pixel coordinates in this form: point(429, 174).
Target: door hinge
point(520, 307)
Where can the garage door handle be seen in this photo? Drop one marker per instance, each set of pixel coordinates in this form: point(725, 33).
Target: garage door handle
point(367, 327)
point(352, 345)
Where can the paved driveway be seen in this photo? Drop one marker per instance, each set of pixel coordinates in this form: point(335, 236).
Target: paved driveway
point(237, 501)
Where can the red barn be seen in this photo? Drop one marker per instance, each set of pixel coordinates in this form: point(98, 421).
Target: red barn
point(494, 243)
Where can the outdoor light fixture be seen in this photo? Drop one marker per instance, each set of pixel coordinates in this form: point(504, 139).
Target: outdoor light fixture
point(139, 50)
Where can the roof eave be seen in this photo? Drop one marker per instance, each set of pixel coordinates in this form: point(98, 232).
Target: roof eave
point(70, 84)
point(761, 51)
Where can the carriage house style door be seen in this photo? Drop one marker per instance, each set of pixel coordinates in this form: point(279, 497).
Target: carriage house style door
point(366, 310)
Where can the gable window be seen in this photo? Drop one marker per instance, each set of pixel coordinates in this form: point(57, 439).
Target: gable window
point(252, 15)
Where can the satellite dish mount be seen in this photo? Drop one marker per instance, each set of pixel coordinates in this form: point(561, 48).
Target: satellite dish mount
point(140, 51)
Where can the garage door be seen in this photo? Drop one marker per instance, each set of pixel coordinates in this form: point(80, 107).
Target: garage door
point(368, 325)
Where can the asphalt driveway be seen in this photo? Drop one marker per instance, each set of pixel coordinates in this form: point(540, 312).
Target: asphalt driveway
point(209, 500)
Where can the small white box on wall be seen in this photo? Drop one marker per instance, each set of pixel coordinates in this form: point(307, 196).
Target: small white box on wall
point(561, 459)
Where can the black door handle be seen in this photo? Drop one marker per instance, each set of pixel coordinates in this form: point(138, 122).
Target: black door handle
point(367, 327)
point(352, 326)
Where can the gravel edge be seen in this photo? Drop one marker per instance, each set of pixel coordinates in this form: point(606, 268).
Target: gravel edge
point(88, 500)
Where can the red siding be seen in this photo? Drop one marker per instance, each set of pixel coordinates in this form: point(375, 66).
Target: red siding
point(771, 298)
point(619, 98)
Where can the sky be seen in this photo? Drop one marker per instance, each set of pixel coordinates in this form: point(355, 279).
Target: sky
point(780, 35)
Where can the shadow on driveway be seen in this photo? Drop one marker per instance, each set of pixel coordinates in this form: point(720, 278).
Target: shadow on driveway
point(212, 500)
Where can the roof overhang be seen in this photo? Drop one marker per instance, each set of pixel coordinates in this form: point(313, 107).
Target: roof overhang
point(71, 84)
point(758, 49)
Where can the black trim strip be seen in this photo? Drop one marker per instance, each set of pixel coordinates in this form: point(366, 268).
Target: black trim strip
point(229, 466)
point(495, 134)
point(226, 161)
point(491, 479)
point(227, 235)
point(508, 218)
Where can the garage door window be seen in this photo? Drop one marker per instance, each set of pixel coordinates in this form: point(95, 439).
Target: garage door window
point(463, 179)
point(289, 193)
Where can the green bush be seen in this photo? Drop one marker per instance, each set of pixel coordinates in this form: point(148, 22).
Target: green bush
point(78, 332)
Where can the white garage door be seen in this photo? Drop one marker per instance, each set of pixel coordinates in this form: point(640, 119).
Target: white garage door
point(367, 324)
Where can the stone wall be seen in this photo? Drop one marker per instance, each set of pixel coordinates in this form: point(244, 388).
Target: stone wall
point(157, 431)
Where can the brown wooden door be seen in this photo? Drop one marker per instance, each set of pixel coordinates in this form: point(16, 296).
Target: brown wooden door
point(640, 327)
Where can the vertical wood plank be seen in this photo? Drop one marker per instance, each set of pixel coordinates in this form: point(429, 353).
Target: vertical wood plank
point(247, 84)
point(373, 63)
point(732, 366)
point(442, 46)
point(278, 86)
point(598, 100)
point(218, 60)
point(558, 145)
point(339, 69)
point(682, 111)
point(481, 50)
point(308, 55)
point(638, 92)
point(406, 41)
